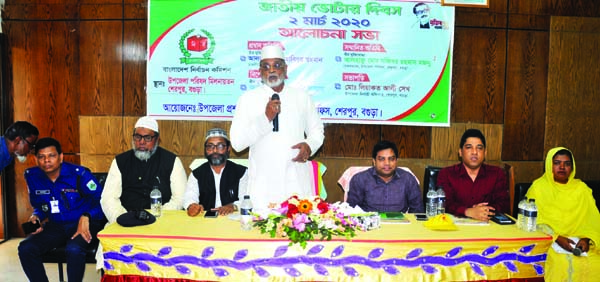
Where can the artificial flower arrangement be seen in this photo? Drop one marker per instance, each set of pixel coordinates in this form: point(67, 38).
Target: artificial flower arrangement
point(303, 219)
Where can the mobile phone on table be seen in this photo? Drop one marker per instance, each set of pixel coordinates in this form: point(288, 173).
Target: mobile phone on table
point(421, 216)
point(211, 214)
point(501, 218)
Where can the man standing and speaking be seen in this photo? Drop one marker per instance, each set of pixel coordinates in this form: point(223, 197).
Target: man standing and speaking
point(283, 129)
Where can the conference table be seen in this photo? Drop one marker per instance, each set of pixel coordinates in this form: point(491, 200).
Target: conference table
point(181, 248)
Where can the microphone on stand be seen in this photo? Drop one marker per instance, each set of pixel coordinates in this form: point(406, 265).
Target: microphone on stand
point(276, 119)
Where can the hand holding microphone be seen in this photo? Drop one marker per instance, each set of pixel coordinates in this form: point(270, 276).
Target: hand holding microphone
point(275, 105)
point(576, 248)
point(582, 246)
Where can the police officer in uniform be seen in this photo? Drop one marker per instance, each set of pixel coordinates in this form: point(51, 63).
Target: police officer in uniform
point(66, 199)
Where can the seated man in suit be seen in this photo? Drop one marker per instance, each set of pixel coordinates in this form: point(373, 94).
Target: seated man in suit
point(218, 183)
point(68, 196)
point(384, 187)
point(134, 173)
point(472, 188)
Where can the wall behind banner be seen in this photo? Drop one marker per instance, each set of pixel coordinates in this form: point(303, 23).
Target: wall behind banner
point(523, 72)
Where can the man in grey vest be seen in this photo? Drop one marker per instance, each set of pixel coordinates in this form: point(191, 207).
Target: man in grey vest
point(133, 174)
point(218, 184)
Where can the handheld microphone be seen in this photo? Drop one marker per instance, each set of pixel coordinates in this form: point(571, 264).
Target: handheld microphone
point(276, 119)
point(577, 251)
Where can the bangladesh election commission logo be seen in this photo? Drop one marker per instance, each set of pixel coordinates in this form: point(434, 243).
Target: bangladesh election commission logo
point(202, 44)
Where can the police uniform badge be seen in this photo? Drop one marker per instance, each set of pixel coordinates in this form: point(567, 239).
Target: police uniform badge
point(91, 185)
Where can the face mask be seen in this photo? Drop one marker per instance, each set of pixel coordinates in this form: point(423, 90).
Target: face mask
point(21, 159)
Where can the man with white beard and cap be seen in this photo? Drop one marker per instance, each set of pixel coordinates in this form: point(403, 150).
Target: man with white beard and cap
point(217, 184)
point(283, 129)
point(133, 174)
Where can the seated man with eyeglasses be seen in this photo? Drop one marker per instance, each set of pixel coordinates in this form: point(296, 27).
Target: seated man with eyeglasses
point(217, 184)
point(133, 174)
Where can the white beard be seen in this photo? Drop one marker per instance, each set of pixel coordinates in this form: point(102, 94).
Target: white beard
point(275, 83)
point(144, 155)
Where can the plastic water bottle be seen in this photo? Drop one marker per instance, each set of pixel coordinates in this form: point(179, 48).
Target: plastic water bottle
point(245, 216)
point(531, 216)
point(431, 207)
point(526, 214)
point(441, 200)
point(520, 214)
point(156, 202)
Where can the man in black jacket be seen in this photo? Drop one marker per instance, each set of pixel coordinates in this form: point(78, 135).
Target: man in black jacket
point(135, 173)
point(217, 184)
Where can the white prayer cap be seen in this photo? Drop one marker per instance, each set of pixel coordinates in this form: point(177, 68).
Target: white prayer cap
point(147, 122)
point(216, 132)
point(271, 52)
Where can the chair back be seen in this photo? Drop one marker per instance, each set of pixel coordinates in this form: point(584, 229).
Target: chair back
point(595, 186)
point(519, 194)
point(429, 180)
point(510, 182)
point(344, 180)
point(101, 177)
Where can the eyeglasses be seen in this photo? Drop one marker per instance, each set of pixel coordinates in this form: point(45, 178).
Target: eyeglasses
point(276, 65)
point(420, 12)
point(220, 146)
point(31, 145)
point(146, 138)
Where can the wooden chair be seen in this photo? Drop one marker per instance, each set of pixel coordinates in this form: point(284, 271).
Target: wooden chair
point(510, 181)
point(519, 192)
point(58, 255)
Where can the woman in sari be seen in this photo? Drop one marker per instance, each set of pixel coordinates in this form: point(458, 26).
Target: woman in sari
point(568, 212)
